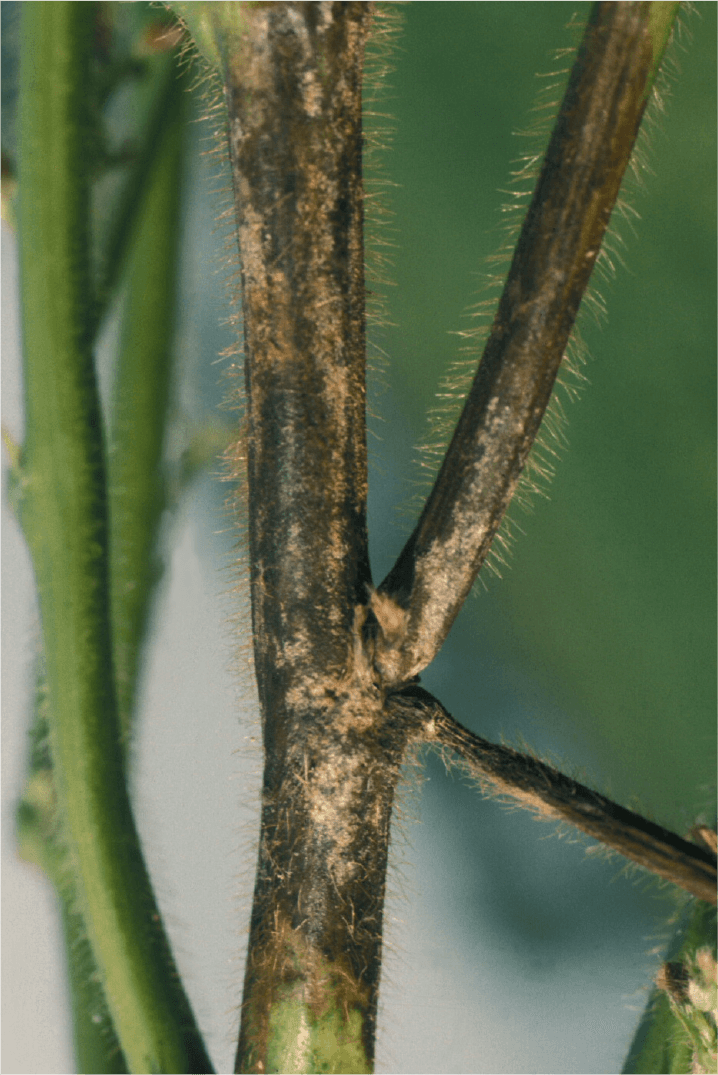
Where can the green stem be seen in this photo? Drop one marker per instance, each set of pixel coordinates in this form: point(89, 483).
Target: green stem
point(160, 100)
point(40, 841)
point(675, 1033)
point(141, 393)
point(660, 20)
point(63, 510)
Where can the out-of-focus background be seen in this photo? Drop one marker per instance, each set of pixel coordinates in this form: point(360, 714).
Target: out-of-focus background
point(509, 949)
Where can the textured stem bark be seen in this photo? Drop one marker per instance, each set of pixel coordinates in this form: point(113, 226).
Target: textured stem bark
point(293, 78)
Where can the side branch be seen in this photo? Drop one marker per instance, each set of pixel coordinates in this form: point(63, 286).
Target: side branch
point(560, 240)
point(552, 795)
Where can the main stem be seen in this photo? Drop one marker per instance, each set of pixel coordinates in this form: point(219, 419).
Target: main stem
point(293, 77)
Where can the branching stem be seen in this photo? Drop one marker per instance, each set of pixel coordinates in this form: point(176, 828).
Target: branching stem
point(335, 659)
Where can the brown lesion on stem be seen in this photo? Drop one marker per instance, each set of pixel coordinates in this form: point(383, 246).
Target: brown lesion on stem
point(293, 90)
point(294, 103)
point(317, 918)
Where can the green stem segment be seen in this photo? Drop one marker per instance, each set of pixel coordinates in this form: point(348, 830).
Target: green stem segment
point(141, 393)
point(64, 515)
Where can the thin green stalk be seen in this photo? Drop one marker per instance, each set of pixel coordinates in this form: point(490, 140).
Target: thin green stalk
point(159, 99)
point(141, 391)
point(63, 511)
point(40, 841)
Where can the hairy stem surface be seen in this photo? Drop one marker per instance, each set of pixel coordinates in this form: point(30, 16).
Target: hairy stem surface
point(580, 178)
point(293, 86)
point(552, 795)
point(64, 516)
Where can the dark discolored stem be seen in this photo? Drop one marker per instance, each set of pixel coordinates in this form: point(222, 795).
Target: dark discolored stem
point(294, 102)
point(552, 795)
point(327, 648)
point(293, 88)
point(587, 156)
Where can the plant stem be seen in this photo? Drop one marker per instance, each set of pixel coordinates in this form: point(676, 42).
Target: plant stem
point(293, 77)
point(327, 648)
point(587, 156)
point(164, 91)
point(554, 796)
point(64, 515)
point(141, 390)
